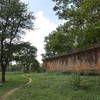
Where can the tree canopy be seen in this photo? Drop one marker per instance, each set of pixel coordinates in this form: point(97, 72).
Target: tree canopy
point(81, 29)
point(26, 56)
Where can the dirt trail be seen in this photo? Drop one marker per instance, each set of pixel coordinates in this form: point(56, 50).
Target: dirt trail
point(13, 90)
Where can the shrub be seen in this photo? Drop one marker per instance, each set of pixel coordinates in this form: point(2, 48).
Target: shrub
point(86, 97)
point(75, 80)
point(41, 70)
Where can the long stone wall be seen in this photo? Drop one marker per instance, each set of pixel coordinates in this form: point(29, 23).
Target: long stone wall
point(84, 61)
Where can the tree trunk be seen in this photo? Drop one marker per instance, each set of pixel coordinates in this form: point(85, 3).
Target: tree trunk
point(27, 69)
point(3, 74)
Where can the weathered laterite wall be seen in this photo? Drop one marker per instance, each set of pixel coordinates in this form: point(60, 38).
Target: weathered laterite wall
point(84, 61)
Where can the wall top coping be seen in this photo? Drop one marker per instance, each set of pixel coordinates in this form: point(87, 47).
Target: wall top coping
point(72, 52)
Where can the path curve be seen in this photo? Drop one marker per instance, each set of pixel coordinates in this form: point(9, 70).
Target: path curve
point(13, 90)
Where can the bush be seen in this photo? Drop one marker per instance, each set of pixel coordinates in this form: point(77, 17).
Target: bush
point(75, 80)
point(86, 97)
point(41, 70)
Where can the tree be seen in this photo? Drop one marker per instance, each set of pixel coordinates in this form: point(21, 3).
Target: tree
point(83, 16)
point(14, 19)
point(26, 55)
point(65, 8)
point(35, 66)
point(59, 41)
point(81, 29)
point(90, 12)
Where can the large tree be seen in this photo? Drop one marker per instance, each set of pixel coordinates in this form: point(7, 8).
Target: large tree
point(84, 17)
point(81, 28)
point(59, 41)
point(14, 19)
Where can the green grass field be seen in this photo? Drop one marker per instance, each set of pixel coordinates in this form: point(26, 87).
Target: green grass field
point(13, 80)
point(52, 86)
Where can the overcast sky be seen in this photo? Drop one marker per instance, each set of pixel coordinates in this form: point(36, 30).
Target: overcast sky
point(46, 21)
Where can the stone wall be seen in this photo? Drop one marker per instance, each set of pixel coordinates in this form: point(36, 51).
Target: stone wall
point(84, 61)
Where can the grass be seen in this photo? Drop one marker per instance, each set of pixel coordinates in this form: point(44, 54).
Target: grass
point(50, 86)
point(13, 80)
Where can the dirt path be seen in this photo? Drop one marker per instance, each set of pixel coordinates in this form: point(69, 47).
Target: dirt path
point(13, 90)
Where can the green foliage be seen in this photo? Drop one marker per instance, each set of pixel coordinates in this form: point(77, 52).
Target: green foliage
point(65, 8)
point(85, 97)
point(78, 82)
point(35, 66)
point(26, 55)
point(75, 80)
point(14, 19)
point(15, 68)
point(59, 41)
point(41, 70)
point(81, 29)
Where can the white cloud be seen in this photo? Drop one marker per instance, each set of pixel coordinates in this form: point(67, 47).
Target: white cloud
point(43, 27)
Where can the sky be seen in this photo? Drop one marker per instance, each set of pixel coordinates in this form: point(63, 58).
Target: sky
point(46, 21)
